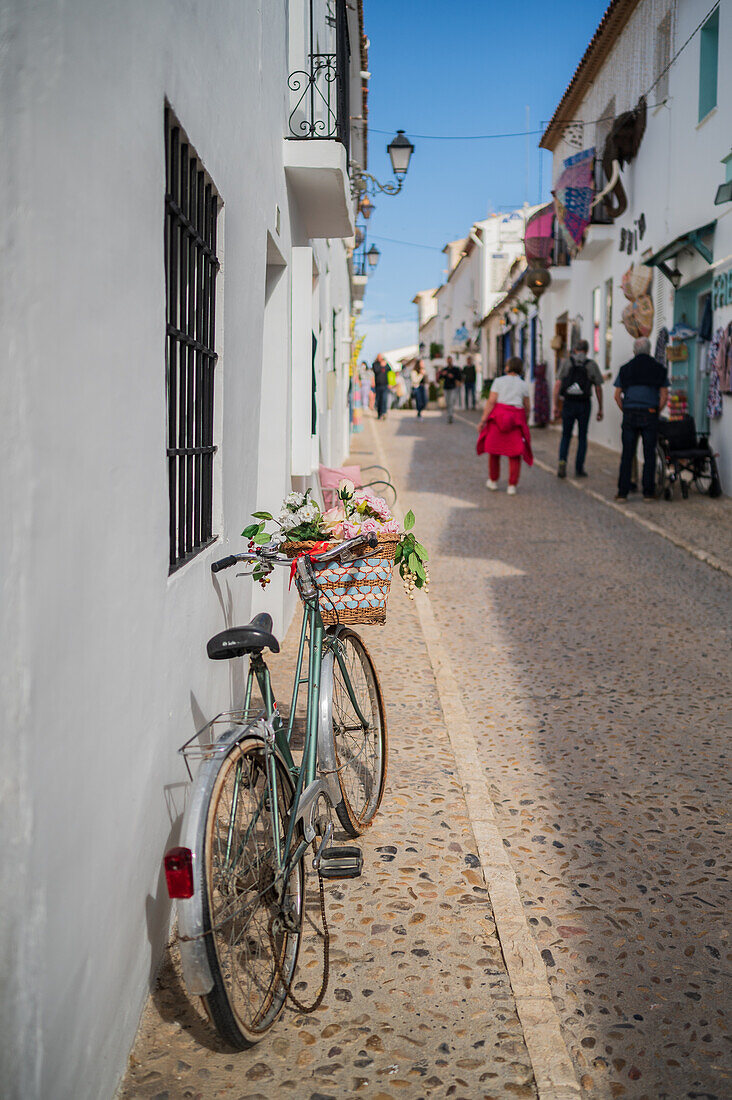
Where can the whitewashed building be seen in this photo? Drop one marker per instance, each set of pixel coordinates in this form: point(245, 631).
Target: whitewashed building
point(176, 317)
point(663, 59)
point(453, 316)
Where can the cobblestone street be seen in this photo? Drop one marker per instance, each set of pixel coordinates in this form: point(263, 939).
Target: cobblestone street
point(593, 660)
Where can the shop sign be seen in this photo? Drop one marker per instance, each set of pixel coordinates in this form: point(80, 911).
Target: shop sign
point(722, 289)
point(629, 237)
point(676, 352)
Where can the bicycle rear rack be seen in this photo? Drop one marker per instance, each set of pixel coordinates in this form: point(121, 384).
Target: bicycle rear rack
point(206, 742)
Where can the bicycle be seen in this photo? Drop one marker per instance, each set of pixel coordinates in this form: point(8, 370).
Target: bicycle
point(253, 813)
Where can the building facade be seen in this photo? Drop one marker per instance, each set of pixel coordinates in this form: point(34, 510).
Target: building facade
point(176, 314)
point(650, 96)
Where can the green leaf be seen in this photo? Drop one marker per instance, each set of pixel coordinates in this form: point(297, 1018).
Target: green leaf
point(413, 562)
point(250, 531)
point(261, 538)
point(262, 515)
point(420, 574)
point(423, 555)
point(398, 554)
point(409, 520)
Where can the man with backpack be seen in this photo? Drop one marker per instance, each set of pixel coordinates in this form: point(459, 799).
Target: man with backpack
point(573, 396)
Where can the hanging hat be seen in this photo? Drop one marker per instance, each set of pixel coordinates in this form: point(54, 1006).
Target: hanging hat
point(636, 281)
point(638, 317)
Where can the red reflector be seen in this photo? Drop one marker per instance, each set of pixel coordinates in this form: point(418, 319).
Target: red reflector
point(179, 872)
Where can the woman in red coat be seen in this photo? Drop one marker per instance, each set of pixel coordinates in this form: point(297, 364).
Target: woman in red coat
point(504, 426)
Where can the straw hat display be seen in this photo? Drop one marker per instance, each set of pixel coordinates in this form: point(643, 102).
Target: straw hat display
point(636, 281)
point(638, 316)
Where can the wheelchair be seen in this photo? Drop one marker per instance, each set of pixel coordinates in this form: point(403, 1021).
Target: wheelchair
point(683, 456)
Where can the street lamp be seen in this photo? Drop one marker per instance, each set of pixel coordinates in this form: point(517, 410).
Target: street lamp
point(373, 256)
point(400, 151)
point(366, 207)
point(537, 279)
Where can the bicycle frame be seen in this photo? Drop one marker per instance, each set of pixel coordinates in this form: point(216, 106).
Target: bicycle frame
point(323, 649)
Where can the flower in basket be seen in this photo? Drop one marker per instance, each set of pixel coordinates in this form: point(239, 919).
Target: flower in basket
point(358, 511)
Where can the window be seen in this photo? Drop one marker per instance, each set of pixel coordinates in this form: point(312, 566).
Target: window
point(191, 266)
point(608, 322)
point(596, 321)
point(662, 58)
point(708, 61)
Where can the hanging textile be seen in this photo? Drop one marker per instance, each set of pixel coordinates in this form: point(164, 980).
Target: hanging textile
point(714, 397)
point(573, 197)
point(538, 236)
point(661, 344)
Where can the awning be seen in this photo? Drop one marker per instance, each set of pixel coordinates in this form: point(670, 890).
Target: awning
point(693, 239)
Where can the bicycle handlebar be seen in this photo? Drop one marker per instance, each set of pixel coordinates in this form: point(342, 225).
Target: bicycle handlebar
point(263, 553)
point(223, 563)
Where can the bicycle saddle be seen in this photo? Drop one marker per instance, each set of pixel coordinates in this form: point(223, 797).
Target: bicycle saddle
point(238, 640)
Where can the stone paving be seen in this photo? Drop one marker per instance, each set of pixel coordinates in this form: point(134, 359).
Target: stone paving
point(702, 521)
point(595, 658)
point(419, 1002)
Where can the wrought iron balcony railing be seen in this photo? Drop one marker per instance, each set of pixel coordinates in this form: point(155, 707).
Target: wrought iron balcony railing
point(321, 109)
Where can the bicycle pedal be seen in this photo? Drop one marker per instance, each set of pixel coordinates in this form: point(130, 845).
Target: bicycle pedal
point(342, 862)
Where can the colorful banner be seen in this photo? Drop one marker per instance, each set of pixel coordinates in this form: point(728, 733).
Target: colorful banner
point(573, 197)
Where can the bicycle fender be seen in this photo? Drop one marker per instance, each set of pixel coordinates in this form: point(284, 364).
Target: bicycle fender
point(191, 941)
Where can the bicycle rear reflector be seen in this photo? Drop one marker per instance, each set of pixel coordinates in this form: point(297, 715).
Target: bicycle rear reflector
point(179, 872)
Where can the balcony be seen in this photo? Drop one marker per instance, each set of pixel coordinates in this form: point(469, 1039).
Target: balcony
point(318, 137)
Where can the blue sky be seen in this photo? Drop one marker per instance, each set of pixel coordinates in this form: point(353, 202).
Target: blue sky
point(457, 67)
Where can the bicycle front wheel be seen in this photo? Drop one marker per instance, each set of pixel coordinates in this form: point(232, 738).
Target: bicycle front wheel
point(252, 952)
point(360, 745)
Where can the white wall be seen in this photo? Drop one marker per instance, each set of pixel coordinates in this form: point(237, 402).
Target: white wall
point(103, 654)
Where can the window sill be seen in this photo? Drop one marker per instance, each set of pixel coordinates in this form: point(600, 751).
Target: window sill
point(707, 116)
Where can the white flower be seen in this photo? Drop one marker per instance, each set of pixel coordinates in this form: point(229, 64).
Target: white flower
point(294, 500)
point(288, 520)
point(308, 512)
point(346, 489)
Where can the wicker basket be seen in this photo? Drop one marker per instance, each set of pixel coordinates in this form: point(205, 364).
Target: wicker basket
point(356, 591)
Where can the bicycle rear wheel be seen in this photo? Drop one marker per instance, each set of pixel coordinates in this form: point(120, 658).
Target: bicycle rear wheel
point(252, 963)
point(361, 751)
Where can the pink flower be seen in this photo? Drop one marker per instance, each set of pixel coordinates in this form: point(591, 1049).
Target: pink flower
point(391, 527)
point(350, 529)
point(333, 519)
point(370, 526)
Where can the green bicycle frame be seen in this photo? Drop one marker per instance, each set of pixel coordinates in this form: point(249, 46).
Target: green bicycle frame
point(312, 634)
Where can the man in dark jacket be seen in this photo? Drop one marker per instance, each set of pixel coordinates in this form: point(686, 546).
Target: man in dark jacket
point(469, 383)
point(380, 367)
point(641, 392)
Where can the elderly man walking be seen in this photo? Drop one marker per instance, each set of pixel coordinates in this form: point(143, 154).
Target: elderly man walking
point(641, 392)
point(573, 394)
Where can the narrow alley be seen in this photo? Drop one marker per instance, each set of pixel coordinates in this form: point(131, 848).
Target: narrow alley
point(590, 654)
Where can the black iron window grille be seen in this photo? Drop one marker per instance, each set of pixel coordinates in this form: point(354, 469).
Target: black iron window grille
point(191, 266)
point(321, 107)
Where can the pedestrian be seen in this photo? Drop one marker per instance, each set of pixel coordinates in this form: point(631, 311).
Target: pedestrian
point(419, 383)
point(573, 396)
point(641, 392)
point(469, 383)
point(381, 369)
point(366, 394)
point(504, 426)
point(542, 412)
point(451, 377)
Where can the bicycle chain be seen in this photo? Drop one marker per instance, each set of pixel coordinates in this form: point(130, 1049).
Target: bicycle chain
point(326, 957)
